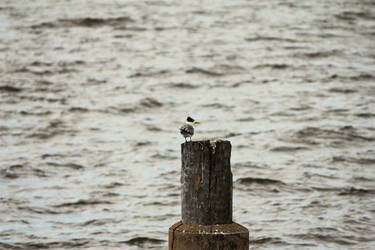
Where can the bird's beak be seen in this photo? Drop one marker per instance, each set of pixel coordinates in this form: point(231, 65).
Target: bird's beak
point(197, 123)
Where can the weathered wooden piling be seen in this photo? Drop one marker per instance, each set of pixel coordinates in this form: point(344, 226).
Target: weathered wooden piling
point(207, 196)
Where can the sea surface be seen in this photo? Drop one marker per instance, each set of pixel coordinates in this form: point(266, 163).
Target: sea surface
point(92, 94)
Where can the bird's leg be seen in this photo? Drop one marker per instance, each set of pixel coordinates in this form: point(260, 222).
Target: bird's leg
point(185, 139)
point(190, 138)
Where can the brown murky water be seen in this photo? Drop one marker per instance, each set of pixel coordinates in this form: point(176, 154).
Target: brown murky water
point(92, 94)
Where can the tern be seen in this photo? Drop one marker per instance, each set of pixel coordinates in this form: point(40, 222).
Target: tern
point(187, 130)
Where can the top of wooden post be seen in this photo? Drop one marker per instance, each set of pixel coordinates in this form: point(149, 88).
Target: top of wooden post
point(207, 183)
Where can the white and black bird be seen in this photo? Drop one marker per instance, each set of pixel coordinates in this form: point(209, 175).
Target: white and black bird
point(187, 130)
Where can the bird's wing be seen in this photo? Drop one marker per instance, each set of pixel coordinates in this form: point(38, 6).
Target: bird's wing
point(182, 128)
point(185, 129)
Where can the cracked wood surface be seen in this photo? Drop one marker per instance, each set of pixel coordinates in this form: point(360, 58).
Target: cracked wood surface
point(206, 179)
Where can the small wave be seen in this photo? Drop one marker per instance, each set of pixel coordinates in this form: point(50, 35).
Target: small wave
point(238, 84)
point(346, 133)
point(4, 128)
point(7, 8)
point(278, 66)
point(246, 119)
point(66, 165)
point(270, 38)
point(249, 164)
point(363, 76)
point(359, 77)
point(287, 149)
point(143, 143)
point(182, 85)
point(318, 54)
point(39, 63)
point(113, 185)
point(93, 81)
point(42, 99)
point(149, 74)
point(341, 240)
point(302, 107)
point(18, 170)
point(153, 128)
point(140, 241)
point(231, 134)
point(164, 157)
point(110, 194)
point(317, 204)
point(311, 175)
point(261, 181)
point(124, 109)
point(294, 47)
point(11, 89)
point(97, 222)
point(346, 191)
point(360, 161)
point(229, 68)
point(365, 115)
point(45, 156)
point(6, 173)
point(338, 111)
point(16, 166)
point(132, 28)
point(88, 22)
point(357, 191)
point(78, 110)
point(81, 203)
point(145, 103)
point(197, 70)
point(40, 71)
point(352, 16)
point(159, 28)
point(44, 82)
point(157, 203)
point(283, 114)
point(70, 63)
point(4, 245)
point(38, 210)
point(149, 102)
point(363, 179)
point(72, 243)
point(327, 189)
point(269, 241)
point(342, 91)
point(54, 128)
point(217, 105)
point(28, 113)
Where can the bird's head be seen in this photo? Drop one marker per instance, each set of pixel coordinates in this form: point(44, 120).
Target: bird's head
point(191, 121)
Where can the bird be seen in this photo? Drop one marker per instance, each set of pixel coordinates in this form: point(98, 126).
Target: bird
point(187, 130)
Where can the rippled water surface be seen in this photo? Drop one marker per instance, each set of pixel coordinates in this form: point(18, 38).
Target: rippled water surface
point(92, 94)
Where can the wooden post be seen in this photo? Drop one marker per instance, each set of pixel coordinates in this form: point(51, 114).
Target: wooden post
point(206, 210)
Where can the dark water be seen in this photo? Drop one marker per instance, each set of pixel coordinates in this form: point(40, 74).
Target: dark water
point(92, 94)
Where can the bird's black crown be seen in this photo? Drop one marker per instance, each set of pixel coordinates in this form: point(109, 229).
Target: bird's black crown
point(189, 119)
